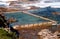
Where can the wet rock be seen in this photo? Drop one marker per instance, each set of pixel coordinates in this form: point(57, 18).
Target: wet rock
point(46, 34)
point(12, 20)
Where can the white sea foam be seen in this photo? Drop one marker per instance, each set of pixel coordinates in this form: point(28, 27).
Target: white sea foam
point(45, 3)
point(41, 4)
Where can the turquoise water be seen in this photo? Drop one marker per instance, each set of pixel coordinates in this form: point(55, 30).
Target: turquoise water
point(48, 13)
point(24, 18)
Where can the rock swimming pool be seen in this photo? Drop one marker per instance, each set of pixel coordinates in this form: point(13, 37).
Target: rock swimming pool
point(23, 18)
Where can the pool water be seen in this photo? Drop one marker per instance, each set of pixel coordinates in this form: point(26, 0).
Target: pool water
point(24, 18)
point(48, 13)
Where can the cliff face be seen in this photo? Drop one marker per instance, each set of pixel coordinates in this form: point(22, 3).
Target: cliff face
point(7, 9)
point(3, 21)
point(3, 9)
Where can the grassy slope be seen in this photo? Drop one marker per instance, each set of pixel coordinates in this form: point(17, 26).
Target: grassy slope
point(5, 35)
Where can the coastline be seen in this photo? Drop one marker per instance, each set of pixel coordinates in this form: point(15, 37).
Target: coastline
point(29, 26)
point(26, 12)
point(12, 12)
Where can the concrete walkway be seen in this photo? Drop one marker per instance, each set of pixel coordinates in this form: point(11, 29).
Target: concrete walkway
point(26, 12)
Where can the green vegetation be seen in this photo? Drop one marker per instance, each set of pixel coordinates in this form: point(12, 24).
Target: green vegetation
point(4, 24)
point(5, 35)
